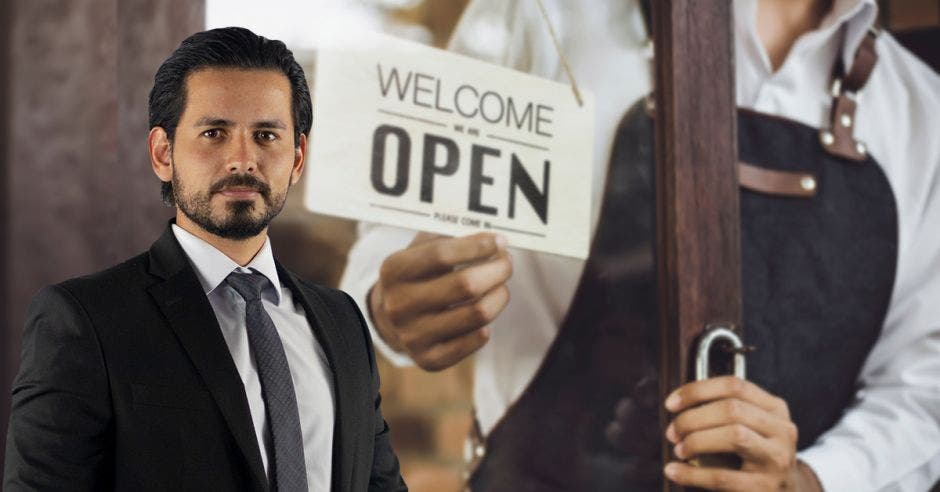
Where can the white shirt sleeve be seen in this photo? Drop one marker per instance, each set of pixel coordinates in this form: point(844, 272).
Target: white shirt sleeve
point(889, 439)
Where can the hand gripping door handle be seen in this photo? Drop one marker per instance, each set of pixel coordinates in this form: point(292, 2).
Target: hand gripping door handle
point(714, 334)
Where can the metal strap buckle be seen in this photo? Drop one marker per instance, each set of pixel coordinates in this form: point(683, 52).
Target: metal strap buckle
point(837, 90)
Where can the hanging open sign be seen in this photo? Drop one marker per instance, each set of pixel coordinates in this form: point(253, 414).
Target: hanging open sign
point(417, 137)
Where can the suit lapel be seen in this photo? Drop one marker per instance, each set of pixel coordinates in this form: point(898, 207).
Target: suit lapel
point(190, 315)
point(345, 379)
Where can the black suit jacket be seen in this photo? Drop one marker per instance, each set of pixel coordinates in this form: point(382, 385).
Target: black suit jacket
point(126, 383)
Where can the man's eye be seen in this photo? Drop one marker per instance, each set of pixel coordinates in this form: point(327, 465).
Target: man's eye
point(266, 136)
point(213, 133)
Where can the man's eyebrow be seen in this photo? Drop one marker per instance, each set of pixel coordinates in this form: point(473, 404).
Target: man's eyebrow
point(213, 121)
point(224, 123)
point(278, 124)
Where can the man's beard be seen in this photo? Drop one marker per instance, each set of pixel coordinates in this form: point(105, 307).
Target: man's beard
point(238, 222)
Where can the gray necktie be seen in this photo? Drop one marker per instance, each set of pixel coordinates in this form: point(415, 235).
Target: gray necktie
point(288, 470)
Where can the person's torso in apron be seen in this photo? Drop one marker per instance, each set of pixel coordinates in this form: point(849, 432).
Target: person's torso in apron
point(817, 275)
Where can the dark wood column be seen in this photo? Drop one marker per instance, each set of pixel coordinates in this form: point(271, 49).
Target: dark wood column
point(78, 193)
point(698, 214)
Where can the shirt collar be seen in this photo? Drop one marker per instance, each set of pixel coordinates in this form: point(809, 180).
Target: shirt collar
point(857, 16)
point(213, 267)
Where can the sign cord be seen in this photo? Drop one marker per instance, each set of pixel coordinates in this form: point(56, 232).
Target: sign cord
point(561, 54)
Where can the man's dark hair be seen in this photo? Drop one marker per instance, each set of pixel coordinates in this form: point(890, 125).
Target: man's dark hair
point(229, 47)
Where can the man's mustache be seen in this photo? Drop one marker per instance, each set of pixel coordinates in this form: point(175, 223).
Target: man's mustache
point(241, 181)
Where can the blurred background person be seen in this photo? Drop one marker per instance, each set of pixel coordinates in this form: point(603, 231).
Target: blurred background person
point(516, 311)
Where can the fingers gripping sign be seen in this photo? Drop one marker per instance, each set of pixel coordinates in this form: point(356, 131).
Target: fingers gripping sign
point(435, 299)
point(731, 415)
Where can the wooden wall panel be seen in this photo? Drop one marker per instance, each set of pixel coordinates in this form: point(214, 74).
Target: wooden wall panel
point(5, 338)
point(78, 189)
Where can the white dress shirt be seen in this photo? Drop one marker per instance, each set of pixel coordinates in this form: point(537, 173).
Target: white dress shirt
point(309, 368)
point(889, 439)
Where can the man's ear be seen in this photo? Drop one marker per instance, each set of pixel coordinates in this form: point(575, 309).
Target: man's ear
point(160, 152)
point(300, 152)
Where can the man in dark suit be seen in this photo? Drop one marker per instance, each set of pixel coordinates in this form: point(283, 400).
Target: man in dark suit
point(202, 363)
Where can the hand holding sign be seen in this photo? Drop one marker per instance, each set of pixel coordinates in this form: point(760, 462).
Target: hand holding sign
point(435, 298)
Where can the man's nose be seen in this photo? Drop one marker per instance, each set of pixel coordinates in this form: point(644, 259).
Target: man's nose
point(242, 155)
